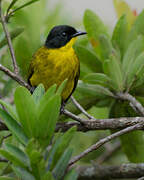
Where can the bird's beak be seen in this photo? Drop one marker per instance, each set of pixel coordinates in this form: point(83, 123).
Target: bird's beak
point(79, 33)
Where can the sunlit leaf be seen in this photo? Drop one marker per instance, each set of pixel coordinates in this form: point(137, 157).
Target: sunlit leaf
point(38, 93)
point(120, 34)
point(122, 8)
point(94, 27)
point(26, 109)
point(88, 58)
point(94, 90)
point(13, 126)
point(135, 49)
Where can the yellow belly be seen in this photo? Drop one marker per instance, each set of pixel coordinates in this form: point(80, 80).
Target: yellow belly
point(53, 66)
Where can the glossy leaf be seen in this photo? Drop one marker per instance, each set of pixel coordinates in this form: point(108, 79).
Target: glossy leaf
point(46, 97)
point(61, 166)
point(137, 29)
point(16, 32)
point(22, 173)
point(120, 34)
point(47, 118)
point(97, 78)
point(26, 109)
point(106, 46)
point(9, 156)
point(61, 145)
point(94, 27)
point(137, 70)
point(13, 126)
point(122, 8)
point(11, 110)
point(88, 58)
point(135, 49)
point(38, 93)
point(94, 90)
point(18, 153)
point(114, 71)
point(61, 87)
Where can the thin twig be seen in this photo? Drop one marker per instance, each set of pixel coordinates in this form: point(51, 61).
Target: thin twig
point(15, 77)
point(108, 153)
point(73, 116)
point(81, 108)
point(103, 141)
point(136, 104)
point(7, 34)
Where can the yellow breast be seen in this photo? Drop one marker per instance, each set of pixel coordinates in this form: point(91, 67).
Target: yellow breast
point(53, 66)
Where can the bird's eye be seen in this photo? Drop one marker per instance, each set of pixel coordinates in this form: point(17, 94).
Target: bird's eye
point(63, 34)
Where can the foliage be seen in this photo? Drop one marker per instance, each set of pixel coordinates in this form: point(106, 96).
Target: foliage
point(109, 64)
point(34, 131)
point(121, 60)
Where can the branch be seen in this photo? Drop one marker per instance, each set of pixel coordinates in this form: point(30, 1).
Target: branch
point(105, 140)
point(81, 108)
point(108, 153)
point(137, 105)
point(7, 34)
point(15, 77)
point(100, 124)
point(130, 170)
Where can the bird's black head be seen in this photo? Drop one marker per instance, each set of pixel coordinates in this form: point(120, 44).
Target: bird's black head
point(60, 35)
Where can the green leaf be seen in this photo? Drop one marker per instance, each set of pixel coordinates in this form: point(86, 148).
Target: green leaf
point(14, 127)
point(47, 118)
point(137, 29)
point(112, 68)
point(14, 33)
point(89, 58)
point(11, 110)
point(6, 178)
point(38, 93)
point(123, 8)
point(120, 33)
point(61, 144)
point(106, 46)
point(47, 176)
point(26, 109)
point(94, 90)
point(18, 153)
point(94, 27)
point(135, 49)
point(9, 156)
point(24, 5)
point(22, 173)
point(61, 87)
point(137, 70)
point(61, 166)
point(97, 78)
point(72, 175)
point(45, 98)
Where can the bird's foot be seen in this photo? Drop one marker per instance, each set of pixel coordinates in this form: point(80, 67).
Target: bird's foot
point(32, 89)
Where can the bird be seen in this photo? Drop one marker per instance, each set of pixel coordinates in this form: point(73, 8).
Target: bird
point(56, 61)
